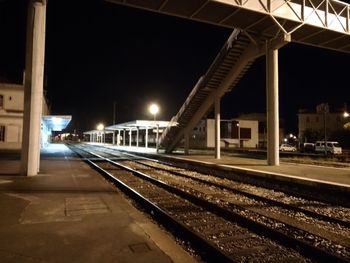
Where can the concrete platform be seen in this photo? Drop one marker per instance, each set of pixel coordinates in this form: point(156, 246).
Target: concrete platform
point(311, 174)
point(69, 213)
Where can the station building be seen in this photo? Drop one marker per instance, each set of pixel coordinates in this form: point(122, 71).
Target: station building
point(321, 119)
point(11, 118)
point(234, 133)
point(246, 131)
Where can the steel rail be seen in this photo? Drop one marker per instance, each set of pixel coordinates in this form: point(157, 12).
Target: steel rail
point(255, 197)
point(259, 228)
point(211, 251)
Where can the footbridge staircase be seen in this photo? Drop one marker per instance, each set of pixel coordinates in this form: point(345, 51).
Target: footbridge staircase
point(233, 60)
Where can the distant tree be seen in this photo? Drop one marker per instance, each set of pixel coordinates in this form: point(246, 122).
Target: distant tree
point(311, 135)
point(342, 136)
point(347, 126)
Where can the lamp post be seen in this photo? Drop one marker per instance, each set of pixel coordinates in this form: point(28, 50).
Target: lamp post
point(154, 109)
point(101, 127)
point(325, 110)
point(239, 135)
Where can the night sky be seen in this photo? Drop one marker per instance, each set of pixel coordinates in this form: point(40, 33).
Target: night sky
point(98, 53)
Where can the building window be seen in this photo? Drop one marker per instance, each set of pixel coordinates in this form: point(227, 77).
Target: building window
point(2, 133)
point(1, 101)
point(245, 133)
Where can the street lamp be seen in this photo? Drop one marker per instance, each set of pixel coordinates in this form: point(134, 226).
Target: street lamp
point(324, 108)
point(101, 127)
point(239, 134)
point(346, 114)
point(154, 109)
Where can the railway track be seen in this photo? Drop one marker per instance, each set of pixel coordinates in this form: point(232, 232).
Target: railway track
point(239, 222)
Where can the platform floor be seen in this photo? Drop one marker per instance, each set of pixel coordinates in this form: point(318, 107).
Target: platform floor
point(69, 213)
point(329, 173)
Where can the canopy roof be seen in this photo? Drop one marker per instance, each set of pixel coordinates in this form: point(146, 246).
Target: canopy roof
point(56, 122)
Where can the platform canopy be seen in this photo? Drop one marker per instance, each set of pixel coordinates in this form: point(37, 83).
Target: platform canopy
point(321, 23)
point(138, 124)
point(56, 122)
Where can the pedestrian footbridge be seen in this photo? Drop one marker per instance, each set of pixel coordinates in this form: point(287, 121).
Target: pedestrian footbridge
point(260, 28)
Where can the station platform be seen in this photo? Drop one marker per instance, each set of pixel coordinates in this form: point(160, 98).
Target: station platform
point(69, 213)
point(314, 173)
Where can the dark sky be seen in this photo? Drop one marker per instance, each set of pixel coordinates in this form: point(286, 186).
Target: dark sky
point(98, 53)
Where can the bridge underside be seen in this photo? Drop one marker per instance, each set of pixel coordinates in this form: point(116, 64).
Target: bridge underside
point(320, 23)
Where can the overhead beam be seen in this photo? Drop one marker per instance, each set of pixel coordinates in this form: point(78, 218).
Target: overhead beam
point(296, 17)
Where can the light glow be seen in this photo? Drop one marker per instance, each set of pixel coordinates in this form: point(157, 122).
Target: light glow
point(153, 109)
point(346, 114)
point(100, 127)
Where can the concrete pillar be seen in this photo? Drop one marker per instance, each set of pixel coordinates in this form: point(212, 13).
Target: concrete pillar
point(113, 138)
point(146, 138)
point(217, 127)
point(130, 137)
point(118, 138)
point(187, 142)
point(124, 137)
point(137, 136)
point(272, 106)
point(157, 138)
point(33, 87)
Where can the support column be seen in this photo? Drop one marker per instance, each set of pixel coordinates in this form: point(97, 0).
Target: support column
point(113, 138)
point(146, 138)
point(157, 139)
point(130, 137)
point(124, 137)
point(217, 127)
point(187, 143)
point(33, 87)
point(137, 136)
point(272, 106)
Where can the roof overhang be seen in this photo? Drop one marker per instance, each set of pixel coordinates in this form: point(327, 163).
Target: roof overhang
point(56, 122)
point(138, 124)
point(133, 125)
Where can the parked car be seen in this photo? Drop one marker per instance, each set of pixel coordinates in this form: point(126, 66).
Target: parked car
point(307, 147)
point(331, 148)
point(287, 148)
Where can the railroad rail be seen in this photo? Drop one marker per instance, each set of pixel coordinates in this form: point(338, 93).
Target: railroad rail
point(236, 221)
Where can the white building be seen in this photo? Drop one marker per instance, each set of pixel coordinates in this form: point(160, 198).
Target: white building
point(320, 120)
point(234, 133)
point(11, 118)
